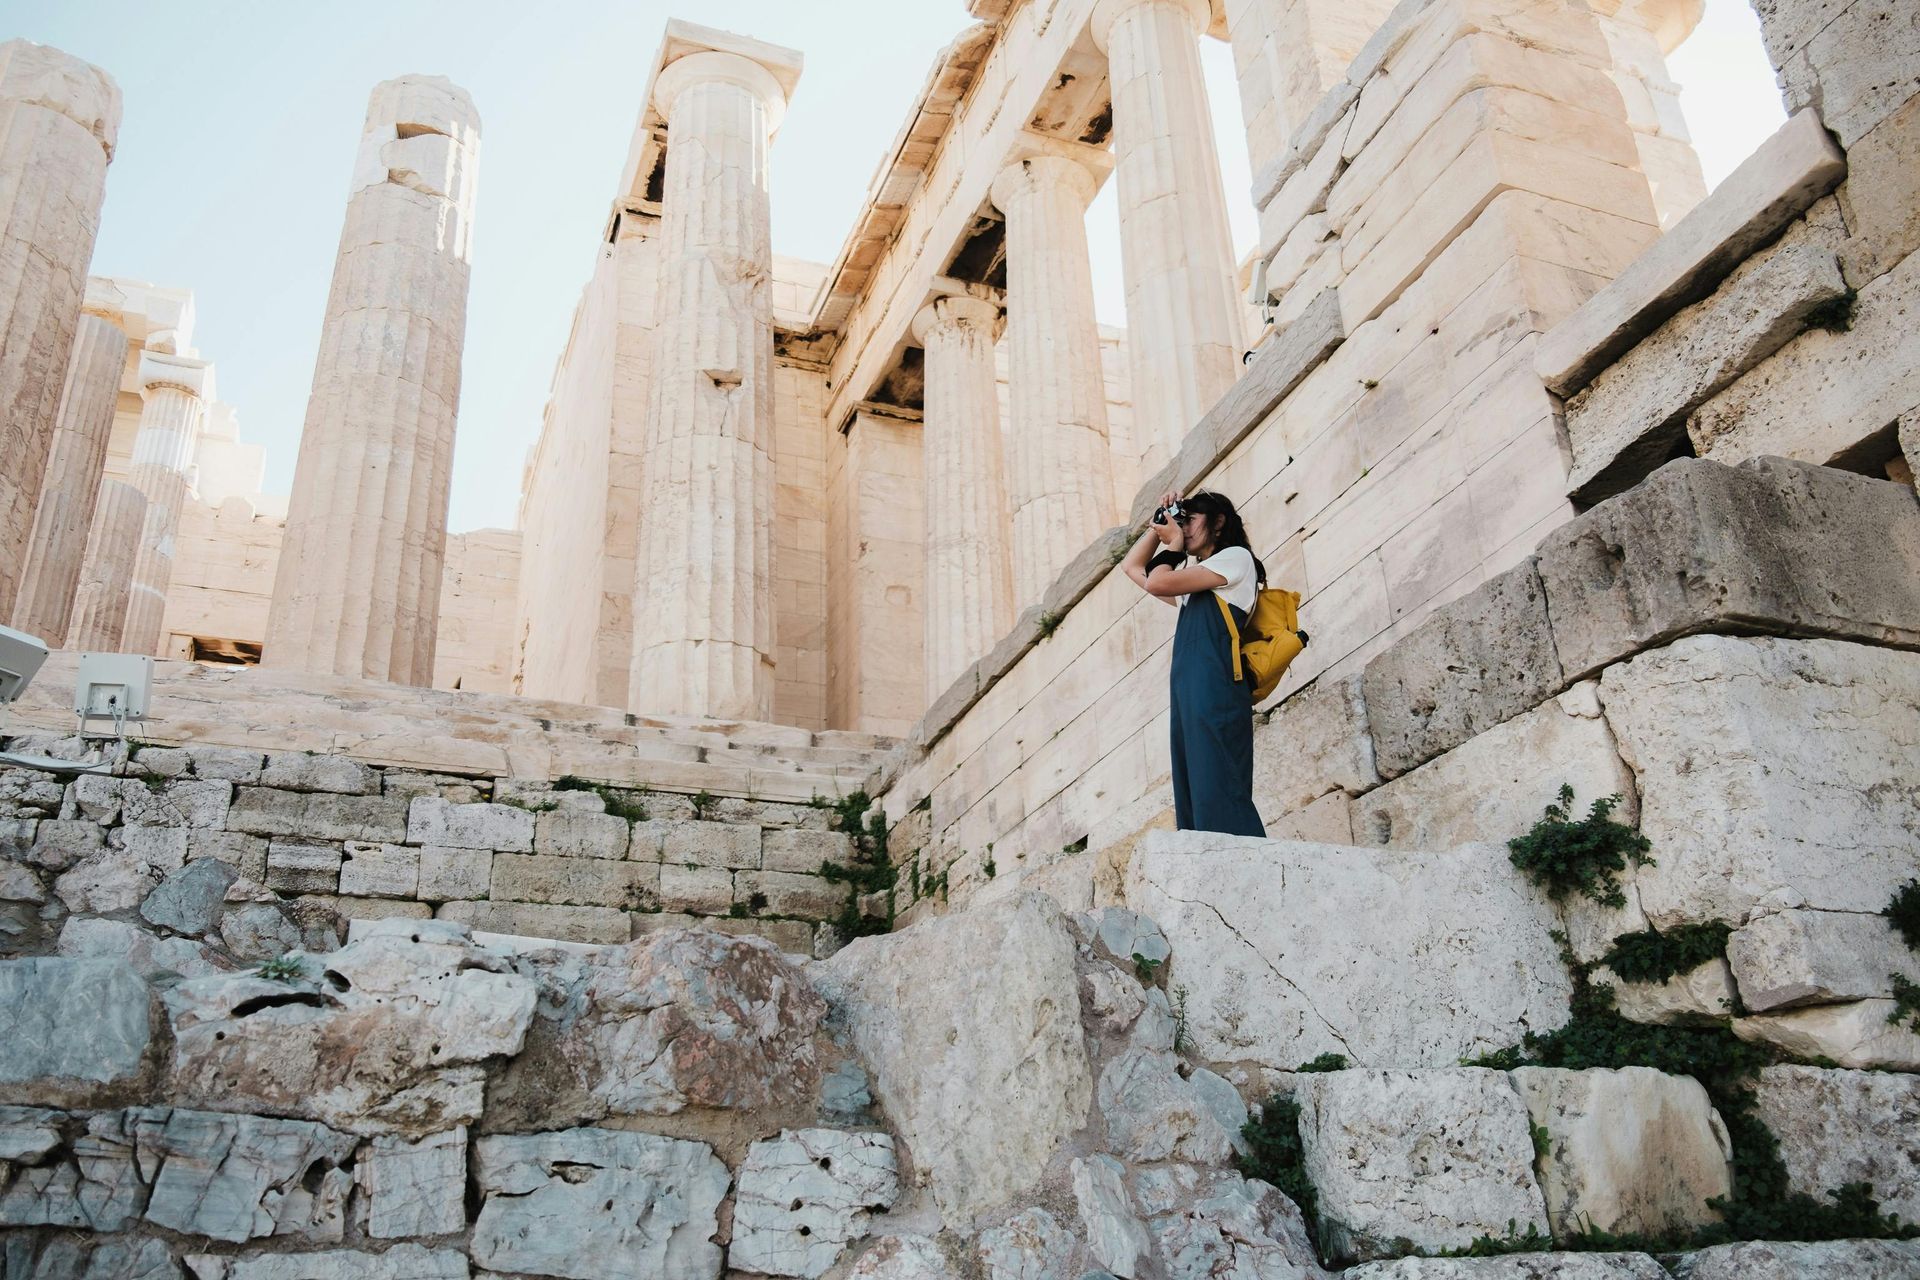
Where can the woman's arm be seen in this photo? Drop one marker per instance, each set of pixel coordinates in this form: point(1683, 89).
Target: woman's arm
point(1163, 581)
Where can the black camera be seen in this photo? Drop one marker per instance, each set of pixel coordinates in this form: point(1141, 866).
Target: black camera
point(1160, 514)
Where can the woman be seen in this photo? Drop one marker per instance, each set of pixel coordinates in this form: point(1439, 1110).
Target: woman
point(1205, 554)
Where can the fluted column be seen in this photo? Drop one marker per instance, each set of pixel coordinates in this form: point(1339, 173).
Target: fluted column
point(173, 389)
point(58, 120)
point(106, 574)
point(1059, 474)
point(703, 589)
point(1184, 326)
point(358, 589)
point(968, 590)
point(72, 482)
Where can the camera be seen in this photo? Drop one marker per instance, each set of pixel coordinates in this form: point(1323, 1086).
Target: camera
point(1160, 514)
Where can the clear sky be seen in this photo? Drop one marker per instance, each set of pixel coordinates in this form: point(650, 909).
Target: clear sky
point(242, 119)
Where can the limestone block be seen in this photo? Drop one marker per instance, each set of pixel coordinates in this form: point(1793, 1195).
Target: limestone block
point(544, 1198)
point(704, 890)
point(234, 764)
point(1771, 187)
point(387, 1048)
point(1431, 1157)
point(454, 873)
point(1494, 786)
point(303, 868)
point(402, 1262)
point(413, 1187)
point(577, 833)
point(688, 1018)
point(630, 886)
point(81, 1030)
point(710, 844)
point(1629, 420)
point(1856, 69)
point(431, 820)
point(1774, 1260)
point(805, 1196)
point(1881, 218)
point(1837, 1127)
point(1525, 1266)
point(120, 879)
point(157, 960)
point(1482, 659)
point(1769, 544)
point(90, 1183)
point(244, 853)
point(936, 1035)
point(786, 894)
point(59, 844)
point(238, 1177)
point(191, 899)
point(1315, 742)
point(1771, 774)
point(904, 1258)
point(263, 811)
point(404, 783)
point(1859, 1035)
point(539, 920)
point(62, 1257)
point(1154, 1114)
point(259, 931)
point(1631, 1151)
point(1115, 1235)
point(1702, 996)
point(1817, 957)
point(308, 771)
point(18, 883)
point(1234, 908)
point(1229, 1226)
point(379, 870)
point(803, 852)
point(1029, 1246)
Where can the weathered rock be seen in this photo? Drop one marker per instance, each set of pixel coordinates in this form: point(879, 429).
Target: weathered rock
point(1702, 996)
point(1468, 964)
point(686, 1018)
point(1029, 1246)
point(310, 771)
point(57, 845)
point(1315, 742)
point(1773, 774)
point(235, 764)
point(245, 853)
point(382, 1041)
point(431, 820)
point(19, 883)
point(191, 899)
point(120, 879)
point(1860, 1034)
point(1153, 1114)
point(1837, 1127)
point(295, 867)
point(160, 961)
point(78, 1034)
point(259, 931)
point(904, 1258)
point(1770, 545)
point(379, 870)
point(263, 811)
point(26, 1257)
point(1526, 1266)
point(1794, 958)
point(805, 1196)
point(402, 1262)
point(799, 850)
point(449, 874)
point(579, 833)
point(413, 1187)
point(1120, 935)
point(1223, 1102)
point(1482, 659)
point(237, 1178)
point(1236, 1228)
point(1112, 997)
point(1774, 1260)
point(544, 1198)
point(1631, 1151)
point(1434, 1158)
point(1115, 1235)
point(947, 1042)
point(91, 1185)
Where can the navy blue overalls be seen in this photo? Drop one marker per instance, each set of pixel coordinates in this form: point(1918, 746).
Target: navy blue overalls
point(1211, 725)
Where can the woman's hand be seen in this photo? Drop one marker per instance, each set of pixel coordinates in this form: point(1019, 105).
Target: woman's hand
point(1172, 534)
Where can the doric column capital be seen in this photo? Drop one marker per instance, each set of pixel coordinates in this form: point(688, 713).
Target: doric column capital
point(181, 373)
point(712, 66)
point(1076, 169)
point(40, 75)
point(955, 311)
point(1106, 12)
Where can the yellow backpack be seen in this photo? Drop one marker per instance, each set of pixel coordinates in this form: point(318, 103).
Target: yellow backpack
point(1273, 639)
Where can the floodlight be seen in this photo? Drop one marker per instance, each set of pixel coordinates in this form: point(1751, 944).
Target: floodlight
point(20, 659)
point(112, 686)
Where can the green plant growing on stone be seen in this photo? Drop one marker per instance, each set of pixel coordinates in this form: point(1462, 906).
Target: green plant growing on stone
point(1836, 314)
point(1048, 624)
point(1145, 969)
point(1564, 856)
point(702, 801)
point(1903, 913)
point(289, 967)
point(1532, 1240)
point(621, 804)
point(1906, 1002)
point(988, 867)
point(868, 871)
point(1181, 1040)
point(1276, 1155)
point(1325, 1062)
point(1648, 956)
point(1542, 1140)
point(1078, 846)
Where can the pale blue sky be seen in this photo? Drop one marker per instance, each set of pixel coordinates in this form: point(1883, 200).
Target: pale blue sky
point(242, 118)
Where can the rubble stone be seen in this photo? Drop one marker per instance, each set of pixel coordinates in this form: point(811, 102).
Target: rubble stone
point(63, 1257)
point(904, 1258)
point(1154, 1114)
point(414, 1187)
point(1115, 1235)
point(1229, 1226)
point(402, 1262)
point(806, 1195)
point(1029, 1246)
point(191, 899)
point(238, 1177)
point(92, 1186)
point(79, 1031)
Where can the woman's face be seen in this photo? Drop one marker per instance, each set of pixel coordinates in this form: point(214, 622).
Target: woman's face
point(1198, 528)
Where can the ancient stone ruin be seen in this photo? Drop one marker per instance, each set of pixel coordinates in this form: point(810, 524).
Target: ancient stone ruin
point(760, 862)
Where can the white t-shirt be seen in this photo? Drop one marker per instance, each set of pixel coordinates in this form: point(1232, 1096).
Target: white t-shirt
point(1235, 564)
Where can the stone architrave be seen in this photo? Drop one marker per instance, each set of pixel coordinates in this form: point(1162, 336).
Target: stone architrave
point(358, 589)
point(703, 588)
point(59, 118)
point(72, 481)
point(106, 575)
point(969, 577)
point(1059, 474)
point(174, 391)
point(1185, 333)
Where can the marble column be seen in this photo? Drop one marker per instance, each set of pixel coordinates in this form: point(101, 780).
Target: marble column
point(1185, 330)
point(968, 589)
point(703, 587)
point(1059, 475)
point(72, 481)
point(58, 120)
point(106, 574)
point(174, 391)
point(358, 589)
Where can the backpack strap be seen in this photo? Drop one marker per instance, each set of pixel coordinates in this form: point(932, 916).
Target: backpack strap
point(1233, 632)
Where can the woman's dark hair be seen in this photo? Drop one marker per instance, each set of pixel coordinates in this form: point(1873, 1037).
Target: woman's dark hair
point(1232, 532)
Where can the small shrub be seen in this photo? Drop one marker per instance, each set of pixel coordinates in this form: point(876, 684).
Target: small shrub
point(703, 800)
point(1542, 1140)
point(1564, 856)
point(1903, 912)
point(1276, 1155)
point(1325, 1062)
point(290, 967)
point(1906, 1002)
point(989, 868)
point(1144, 969)
point(1048, 624)
point(869, 871)
point(1515, 1241)
point(1648, 956)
